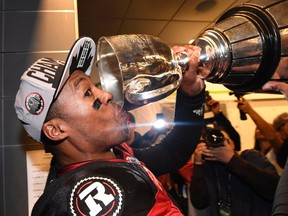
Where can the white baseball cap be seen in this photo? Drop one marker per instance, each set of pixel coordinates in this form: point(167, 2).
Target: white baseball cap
point(42, 82)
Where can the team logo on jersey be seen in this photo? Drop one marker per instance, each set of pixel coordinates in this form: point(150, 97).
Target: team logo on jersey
point(95, 196)
point(34, 103)
point(199, 111)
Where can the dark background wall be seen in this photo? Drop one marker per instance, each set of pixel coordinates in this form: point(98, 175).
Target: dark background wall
point(29, 30)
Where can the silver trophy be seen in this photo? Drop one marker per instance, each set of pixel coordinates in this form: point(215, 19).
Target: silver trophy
point(138, 69)
point(243, 49)
point(247, 47)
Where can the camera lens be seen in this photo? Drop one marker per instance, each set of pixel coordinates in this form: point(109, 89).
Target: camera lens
point(214, 138)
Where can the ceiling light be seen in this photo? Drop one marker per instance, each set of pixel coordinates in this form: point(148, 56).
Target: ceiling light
point(205, 5)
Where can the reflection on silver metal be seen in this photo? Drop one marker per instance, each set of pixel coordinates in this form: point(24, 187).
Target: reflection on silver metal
point(138, 69)
point(246, 47)
point(243, 49)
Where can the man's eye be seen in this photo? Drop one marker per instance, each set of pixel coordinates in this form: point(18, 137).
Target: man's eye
point(88, 93)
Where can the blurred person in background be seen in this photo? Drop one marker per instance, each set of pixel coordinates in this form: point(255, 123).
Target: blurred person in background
point(267, 138)
point(220, 120)
point(280, 205)
point(226, 183)
point(280, 124)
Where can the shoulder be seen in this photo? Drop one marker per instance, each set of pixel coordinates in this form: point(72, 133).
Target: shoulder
point(250, 153)
point(257, 158)
point(253, 155)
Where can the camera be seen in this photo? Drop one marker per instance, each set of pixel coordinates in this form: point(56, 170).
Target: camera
point(214, 138)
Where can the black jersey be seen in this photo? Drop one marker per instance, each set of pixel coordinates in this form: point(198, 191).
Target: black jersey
point(126, 185)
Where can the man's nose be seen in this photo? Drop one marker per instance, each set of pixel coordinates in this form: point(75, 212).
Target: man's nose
point(106, 98)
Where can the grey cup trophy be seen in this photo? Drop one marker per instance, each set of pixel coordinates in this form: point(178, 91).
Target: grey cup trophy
point(247, 47)
point(243, 49)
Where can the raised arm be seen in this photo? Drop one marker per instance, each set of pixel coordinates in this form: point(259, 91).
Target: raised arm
point(266, 129)
point(177, 147)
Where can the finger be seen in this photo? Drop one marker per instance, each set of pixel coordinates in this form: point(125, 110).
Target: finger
point(211, 102)
point(277, 86)
point(194, 59)
point(208, 152)
point(215, 103)
point(240, 105)
point(190, 49)
point(201, 149)
point(178, 49)
point(211, 157)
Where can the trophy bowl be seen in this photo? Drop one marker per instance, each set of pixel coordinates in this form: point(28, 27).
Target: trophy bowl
point(137, 69)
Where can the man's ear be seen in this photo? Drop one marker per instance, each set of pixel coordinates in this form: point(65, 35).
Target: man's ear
point(54, 130)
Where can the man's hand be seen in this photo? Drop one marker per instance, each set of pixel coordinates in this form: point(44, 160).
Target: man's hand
point(222, 154)
point(191, 84)
point(244, 105)
point(281, 73)
point(277, 86)
point(214, 106)
point(198, 157)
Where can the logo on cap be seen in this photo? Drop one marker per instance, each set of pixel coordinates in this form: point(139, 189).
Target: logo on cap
point(34, 103)
point(96, 196)
point(83, 58)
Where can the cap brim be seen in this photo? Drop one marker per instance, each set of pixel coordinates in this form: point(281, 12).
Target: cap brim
point(81, 57)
